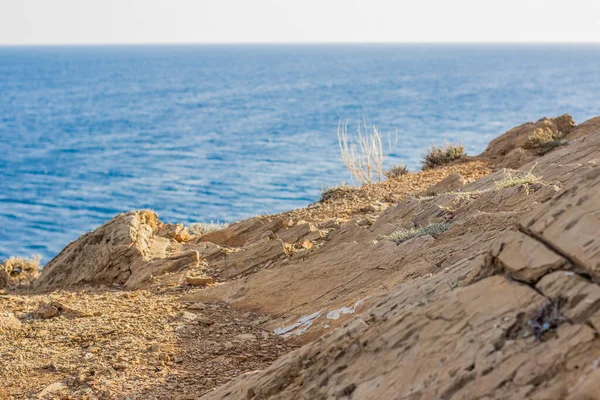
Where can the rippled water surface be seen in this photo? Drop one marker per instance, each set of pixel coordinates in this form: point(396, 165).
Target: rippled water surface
point(201, 133)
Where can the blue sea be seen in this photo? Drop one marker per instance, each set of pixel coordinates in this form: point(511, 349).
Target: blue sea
point(221, 133)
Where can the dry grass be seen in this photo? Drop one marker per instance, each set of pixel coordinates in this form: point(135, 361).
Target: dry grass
point(438, 156)
point(402, 235)
point(518, 178)
point(16, 271)
point(396, 171)
point(327, 192)
point(461, 195)
point(545, 139)
point(542, 136)
point(343, 204)
point(363, 155)
point(202, 228)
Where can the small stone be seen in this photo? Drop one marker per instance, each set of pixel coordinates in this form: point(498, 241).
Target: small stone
point(205, 321)
point(199, 280)
point(50, 389)
point(8, 322)
point(245, 336)
point(197, 306)
point(120, 366)
point(306, 244)
point(45, 311)
point(187, 316)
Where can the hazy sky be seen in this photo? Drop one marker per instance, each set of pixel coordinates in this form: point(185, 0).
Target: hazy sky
point(217, 21)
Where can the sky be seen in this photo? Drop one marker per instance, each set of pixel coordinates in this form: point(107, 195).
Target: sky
point(296, 21)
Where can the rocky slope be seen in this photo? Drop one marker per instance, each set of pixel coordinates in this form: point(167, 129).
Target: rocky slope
point(500, 300)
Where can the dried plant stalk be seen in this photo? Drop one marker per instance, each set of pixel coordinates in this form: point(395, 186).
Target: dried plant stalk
point(363, 155)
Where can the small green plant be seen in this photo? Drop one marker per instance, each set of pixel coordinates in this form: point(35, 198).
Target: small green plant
point(518, 178)
point(438, 156)
point(396, 171)
point(327, 192)
point(202, 228)
point(402, 235)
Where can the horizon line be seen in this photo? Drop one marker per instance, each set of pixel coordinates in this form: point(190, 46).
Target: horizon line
point(74, 44)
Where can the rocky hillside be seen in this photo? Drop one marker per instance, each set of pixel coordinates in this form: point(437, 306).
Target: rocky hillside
point(466, 281)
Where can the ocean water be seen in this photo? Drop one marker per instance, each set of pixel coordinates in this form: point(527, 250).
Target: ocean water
point(220, 133)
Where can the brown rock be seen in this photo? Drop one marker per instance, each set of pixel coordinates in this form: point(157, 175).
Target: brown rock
point(306, 244)
point(9, 323)
point(249, 259)
point(177, 232)
point(245, 336)
point(54, 309)
point(248, 231)
point(588, 387)
point(519, 136)
point(569, 223)
point(51, 390)
point(199, 280)
point(451, 183)
point(127, 250)
point(524, 258)
point(295, 233)
point(46, 311)
point(582, 297)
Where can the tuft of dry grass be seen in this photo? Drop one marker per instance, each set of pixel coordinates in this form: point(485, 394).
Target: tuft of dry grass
point(395, 171)
point(542, 136)
point(16, 271)
point(518, 178)
point(402, 235)
point(327, 192)
point(363, 155)
point(545, 139)
point(438, 156)
point(202, 228)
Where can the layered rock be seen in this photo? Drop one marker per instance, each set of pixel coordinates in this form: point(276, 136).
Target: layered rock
point(513, 148)
point(522, 324)
point(128, 250)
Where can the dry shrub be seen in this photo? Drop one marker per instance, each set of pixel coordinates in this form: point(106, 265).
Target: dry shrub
point(438, 156)
point(542, 136)
point(202, 228)
point(363, 155)
point(434, 230)
point(16, 271)
point(396, 171)
point(545, 139)
point(327, 193)
point(518, 178)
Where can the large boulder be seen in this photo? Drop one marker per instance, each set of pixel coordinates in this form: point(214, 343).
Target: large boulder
point(128, 250)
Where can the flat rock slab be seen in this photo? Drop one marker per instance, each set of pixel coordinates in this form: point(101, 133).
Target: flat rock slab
point(570, 224)
point(524, 258)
